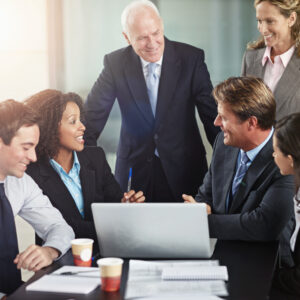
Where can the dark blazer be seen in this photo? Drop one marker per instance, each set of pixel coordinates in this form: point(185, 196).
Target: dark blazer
point(97, 182)
point(287, 91)
point(184, 84)
point(262, 205)
point(287, 280)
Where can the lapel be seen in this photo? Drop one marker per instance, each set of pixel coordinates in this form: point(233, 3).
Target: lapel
point(170, 73)
point(137, 85)
point(231, 155)
point(261, 161)
point(57, 191)
point(289, 82)
point(88, 184)
point(258, 68)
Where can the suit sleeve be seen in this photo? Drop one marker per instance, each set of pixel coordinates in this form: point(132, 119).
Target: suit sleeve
point(112, 189)
point(204, 194)
point(288, 279)
point(46, 220)
point(99, 104)
point(263, 223)
point(244, 65)
point(205, 103)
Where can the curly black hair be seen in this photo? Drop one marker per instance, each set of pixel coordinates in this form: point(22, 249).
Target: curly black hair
point(50, 105)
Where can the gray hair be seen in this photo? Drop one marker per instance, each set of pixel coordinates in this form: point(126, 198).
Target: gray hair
point(131, 7)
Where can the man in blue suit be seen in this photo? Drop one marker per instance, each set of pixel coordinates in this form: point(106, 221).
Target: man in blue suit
point(158, 84)
point(246, 196)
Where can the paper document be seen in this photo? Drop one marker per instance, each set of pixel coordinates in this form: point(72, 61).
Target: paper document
point(195, 273)
point(145, 280)
point(83, 282)
point(186, 297)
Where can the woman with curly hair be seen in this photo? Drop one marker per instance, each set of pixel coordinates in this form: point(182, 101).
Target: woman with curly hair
point(71, 175)
point(275, 56)
point(286, 144)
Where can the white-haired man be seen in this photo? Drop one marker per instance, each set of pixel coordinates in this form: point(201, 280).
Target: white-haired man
point(158, 84)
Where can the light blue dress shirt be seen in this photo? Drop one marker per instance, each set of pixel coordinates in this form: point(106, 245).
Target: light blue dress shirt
point(251, 155)
point(71, 181)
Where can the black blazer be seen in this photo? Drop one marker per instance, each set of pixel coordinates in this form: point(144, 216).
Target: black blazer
point(184, 84)
point(97, 182)
point(287, 280)
point(263, 204)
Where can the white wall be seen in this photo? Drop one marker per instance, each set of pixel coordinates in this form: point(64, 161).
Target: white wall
point(23, 48)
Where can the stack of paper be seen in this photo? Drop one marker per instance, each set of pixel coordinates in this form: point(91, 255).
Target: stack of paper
point(83, 281)
point(195, 273)
point(145, 280)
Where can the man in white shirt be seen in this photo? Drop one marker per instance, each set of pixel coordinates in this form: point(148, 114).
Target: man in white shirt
point(20, 195)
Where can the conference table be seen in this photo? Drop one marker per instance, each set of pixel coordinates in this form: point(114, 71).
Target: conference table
point(250, 269)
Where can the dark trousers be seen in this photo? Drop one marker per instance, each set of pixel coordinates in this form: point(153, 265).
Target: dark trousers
point(158, 189)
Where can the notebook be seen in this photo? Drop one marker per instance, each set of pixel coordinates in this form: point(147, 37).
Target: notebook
point(195, 273)
point(81, 283)
point(152, 230)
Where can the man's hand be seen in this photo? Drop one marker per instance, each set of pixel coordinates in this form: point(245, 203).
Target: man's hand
point(36, 257)
point(132, 196)
point(190, 199)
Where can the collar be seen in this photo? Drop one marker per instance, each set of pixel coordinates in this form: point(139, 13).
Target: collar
point(59, 168)
point(253, 152)
point(146, 63)
point(285, 57)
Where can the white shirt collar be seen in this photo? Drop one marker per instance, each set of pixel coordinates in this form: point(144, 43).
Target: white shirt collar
point(285, 57)
point(146, 63)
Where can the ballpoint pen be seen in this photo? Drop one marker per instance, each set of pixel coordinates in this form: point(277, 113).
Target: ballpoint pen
point(129, 180)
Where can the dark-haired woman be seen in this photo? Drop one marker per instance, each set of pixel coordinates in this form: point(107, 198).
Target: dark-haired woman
point(286, 144)
point(71, 175)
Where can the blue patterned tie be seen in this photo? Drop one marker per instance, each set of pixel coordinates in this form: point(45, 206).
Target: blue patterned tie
point(10, 276)
point(240, 173)
point(152, 82)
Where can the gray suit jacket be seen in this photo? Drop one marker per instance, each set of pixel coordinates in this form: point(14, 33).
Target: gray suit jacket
point(287, 91)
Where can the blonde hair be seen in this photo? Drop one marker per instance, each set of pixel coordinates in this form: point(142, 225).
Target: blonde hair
point(286, 8)
point(248, 96)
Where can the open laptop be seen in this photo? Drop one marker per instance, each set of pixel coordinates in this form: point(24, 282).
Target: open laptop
point(152, 230)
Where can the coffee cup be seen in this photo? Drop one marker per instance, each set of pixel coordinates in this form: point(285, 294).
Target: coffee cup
point(110, 272)
point(82, 252)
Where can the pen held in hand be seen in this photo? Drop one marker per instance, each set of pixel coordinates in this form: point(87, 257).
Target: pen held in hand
point(129, 180)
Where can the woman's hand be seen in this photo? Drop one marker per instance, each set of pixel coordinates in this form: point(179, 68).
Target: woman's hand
point(132, 196)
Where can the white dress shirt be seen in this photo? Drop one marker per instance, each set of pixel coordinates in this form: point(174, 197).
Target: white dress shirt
point(145, 67)
point(297, 218)
point(275, 70)
point(28, 201)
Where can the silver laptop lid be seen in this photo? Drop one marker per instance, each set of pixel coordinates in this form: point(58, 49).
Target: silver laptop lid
point(152, 230)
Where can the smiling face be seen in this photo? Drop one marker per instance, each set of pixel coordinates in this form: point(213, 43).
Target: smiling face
point(275, 27)
point(146, 35)
point(284, 162)
point(71, 129)
point(235, 130)
point(15, 157)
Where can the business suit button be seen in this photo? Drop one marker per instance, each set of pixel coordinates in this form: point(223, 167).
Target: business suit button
point(149, 159)
point(155, 137)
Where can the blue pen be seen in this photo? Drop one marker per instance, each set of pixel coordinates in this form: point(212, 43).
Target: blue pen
point(129, 180)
